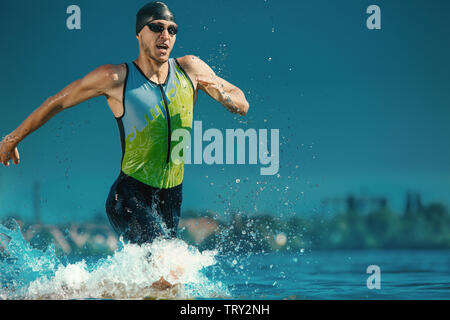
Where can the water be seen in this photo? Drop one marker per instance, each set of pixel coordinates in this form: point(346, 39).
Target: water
point(405, 274)
point(29, 273)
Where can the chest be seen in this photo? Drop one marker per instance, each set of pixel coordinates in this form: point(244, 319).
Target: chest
point(147, 103)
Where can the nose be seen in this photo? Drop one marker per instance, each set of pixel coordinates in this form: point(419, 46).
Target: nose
point(165, 34)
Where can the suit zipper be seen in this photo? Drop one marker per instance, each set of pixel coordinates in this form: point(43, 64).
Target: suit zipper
point(166, 106)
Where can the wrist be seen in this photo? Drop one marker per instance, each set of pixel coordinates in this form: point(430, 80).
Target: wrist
point(11, 139)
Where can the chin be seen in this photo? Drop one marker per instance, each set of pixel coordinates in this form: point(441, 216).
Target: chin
point(160, 59)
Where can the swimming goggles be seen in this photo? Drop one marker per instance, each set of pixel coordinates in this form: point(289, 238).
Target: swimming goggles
point(156, 28)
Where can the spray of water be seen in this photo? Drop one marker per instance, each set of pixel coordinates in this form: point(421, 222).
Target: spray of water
point(29, 273)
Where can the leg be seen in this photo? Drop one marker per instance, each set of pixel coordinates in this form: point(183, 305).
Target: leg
point(131, 213)
point(169, 203)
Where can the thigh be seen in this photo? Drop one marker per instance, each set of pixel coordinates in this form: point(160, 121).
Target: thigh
point(131, 214)
point(170, 207)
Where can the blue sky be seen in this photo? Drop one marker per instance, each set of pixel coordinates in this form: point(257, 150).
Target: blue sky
point(362, 111)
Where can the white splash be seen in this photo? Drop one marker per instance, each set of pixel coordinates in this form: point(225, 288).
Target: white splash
point(130, 273)
point(127, 274)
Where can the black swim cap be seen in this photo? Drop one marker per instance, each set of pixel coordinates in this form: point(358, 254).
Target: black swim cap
point(153, 11)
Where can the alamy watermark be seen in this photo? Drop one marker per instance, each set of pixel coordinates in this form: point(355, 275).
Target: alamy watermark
point(73, 21)
point(214, 151)
point(373, 281)
point(374, 20)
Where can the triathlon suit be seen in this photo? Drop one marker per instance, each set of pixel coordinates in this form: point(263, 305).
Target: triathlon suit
point(145, 200)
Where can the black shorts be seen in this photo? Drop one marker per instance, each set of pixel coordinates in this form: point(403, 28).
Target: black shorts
point(140, 213)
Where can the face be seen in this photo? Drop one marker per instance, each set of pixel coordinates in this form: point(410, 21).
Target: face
point(157, 45)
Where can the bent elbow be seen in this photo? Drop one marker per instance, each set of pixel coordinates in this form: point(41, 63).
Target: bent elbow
point(245, 108)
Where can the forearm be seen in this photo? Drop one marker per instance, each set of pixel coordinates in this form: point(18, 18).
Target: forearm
point(94, 84)
point(233, 99)
point(35, 120)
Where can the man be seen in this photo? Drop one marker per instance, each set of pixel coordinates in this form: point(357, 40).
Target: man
point(150, 98)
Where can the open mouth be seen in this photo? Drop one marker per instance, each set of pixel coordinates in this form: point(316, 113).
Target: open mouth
point(162, 47)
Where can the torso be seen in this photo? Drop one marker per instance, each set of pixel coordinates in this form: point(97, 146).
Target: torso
point(147, 114)
point(115, 95)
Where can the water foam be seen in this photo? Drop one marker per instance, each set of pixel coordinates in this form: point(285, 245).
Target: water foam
point(126, 274)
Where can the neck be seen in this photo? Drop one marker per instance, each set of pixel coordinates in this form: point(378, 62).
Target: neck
point(154, 70)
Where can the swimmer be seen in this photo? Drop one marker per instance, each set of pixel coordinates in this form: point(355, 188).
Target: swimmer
point(150, 98)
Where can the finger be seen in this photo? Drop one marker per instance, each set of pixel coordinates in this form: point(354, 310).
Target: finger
point(3, 156)
point(3, 159)
point(15, 156)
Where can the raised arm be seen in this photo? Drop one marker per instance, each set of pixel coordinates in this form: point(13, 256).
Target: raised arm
point(205, 79)
point(101, 81)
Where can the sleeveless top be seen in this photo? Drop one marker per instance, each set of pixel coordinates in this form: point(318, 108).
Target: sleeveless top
point(151, 113)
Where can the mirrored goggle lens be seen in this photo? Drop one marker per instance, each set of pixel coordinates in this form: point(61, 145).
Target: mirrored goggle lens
point(160, 28)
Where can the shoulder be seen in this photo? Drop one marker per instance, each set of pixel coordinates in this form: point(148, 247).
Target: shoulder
point(113, 73)
point(105, 78)
point(193, 64)
point(188, 60)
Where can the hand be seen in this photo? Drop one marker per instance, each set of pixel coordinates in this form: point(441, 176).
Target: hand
point(8, 151)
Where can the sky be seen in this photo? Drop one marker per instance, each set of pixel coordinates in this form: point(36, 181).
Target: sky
point(359, 111)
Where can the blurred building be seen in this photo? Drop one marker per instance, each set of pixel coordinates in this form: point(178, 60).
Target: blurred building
point(352, 203)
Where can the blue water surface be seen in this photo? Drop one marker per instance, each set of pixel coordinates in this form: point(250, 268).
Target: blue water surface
point(404, 274)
